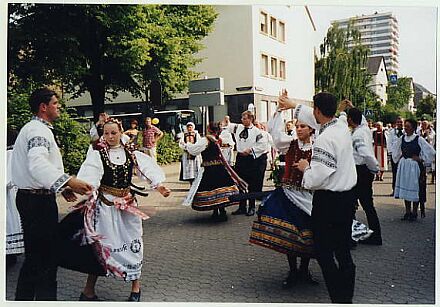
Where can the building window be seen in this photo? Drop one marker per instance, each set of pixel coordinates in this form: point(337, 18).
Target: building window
point(272, 108)
point(264, 65)
point(262, 111)
point(282, 69)
point(273, 67)
point(263, 22)
point(273, 27)
point(282, 31)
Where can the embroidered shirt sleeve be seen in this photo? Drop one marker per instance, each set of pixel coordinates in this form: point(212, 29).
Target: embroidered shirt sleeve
point(38, 141)
point(61, 181)
point(322, 166)
point(357, 143)
point(324, 157)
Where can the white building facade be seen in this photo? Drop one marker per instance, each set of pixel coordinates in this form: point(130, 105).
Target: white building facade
point(379, 78)
point(258, 51)
point(380, 32)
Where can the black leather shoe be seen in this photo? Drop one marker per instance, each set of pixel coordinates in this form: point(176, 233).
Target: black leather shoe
point(239, 211)
point(290, 280)
point(371, 241)
point(250, 212)
point(222, 217)
point(306, 276)
point(83, 297)
point(135, 296)
point(353, 244)
point(406, 217)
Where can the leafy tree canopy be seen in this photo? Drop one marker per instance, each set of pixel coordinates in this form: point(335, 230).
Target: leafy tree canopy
point(341, 68)
point(400, 94)
point(104, 49)
point(426, 106)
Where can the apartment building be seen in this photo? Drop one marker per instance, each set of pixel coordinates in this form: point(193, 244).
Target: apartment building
point(380, 32)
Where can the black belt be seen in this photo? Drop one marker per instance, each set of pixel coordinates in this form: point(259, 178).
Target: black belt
point(36, 191)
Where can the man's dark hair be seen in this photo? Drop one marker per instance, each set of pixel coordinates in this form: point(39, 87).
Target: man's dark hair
point(355, 115)
point(39, 96)
point(413, 123)
point(326, 103)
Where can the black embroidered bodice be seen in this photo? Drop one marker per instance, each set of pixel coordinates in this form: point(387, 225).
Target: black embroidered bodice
point(411, 148)
point(117, 176)
point(211, 152)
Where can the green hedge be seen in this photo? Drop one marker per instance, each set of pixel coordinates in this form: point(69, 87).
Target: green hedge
point(168, 150)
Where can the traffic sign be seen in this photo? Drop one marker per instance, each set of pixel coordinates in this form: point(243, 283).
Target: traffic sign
point(369, 112)
point(393, 79)
point(206, 85)
point(208, 99)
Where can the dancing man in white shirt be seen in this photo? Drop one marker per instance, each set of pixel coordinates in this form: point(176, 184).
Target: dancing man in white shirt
point(38, 172)
point(251, 158)
point(366, 167)
point(332, 175)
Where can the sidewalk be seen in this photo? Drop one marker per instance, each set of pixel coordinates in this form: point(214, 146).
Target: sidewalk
point(189, 258)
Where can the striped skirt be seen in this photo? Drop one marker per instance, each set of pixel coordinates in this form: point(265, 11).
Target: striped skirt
point(283, 227)
point(214, 189)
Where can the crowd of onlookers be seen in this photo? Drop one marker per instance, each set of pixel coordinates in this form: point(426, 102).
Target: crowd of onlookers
point(382, 136)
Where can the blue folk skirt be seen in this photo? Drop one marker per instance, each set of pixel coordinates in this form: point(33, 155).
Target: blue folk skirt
point(283, 227)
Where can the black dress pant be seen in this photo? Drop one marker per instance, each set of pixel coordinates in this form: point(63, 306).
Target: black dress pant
point(394, 171)
point(39, 219)
point(364, 193)
point(252, 171)
point(331, 224)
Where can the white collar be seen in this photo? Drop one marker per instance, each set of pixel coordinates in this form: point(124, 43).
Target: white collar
point(304, 146)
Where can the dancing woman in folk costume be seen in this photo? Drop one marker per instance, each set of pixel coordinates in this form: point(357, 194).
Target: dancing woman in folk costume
point(103, 235)
point(411, 152)
point(190, 164)
point(216, 180)
point(284, 222)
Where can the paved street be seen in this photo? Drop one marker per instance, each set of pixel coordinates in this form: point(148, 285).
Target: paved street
point(189, 258)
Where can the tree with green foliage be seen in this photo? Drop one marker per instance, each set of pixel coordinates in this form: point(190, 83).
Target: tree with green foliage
point(400, 94)
point(426, 106)
point(341, 70)
point(73, 138)
point(105, 49)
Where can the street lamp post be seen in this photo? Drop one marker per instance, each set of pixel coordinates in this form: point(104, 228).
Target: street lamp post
point(365, 96)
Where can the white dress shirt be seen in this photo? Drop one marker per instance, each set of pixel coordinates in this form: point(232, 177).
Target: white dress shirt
point(255, 141)
point(363, 152)
point(332, 166)
point(36, 161)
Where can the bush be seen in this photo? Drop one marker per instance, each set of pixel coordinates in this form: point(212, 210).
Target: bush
point(73, 138)
point(74, 142)
point(168, 150)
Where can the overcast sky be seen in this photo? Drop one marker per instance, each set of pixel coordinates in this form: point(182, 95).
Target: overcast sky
point(417, 36)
